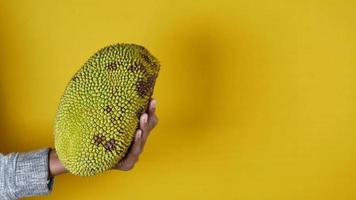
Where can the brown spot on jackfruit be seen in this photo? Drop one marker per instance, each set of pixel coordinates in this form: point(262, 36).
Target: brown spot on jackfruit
point(110, 145)
point(108, 109)
point(98, 139)
point(137, 67)
point(151, 82)
point(145, 88)
point(142, 88)
point(113, 66)
point(146, 58)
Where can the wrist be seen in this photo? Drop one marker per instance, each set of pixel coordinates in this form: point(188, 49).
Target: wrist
point(55, 166)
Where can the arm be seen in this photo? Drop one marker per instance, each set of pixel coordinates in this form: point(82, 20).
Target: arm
point(24, 174)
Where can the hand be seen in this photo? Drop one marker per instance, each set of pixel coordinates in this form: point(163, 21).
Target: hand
point(147, 122)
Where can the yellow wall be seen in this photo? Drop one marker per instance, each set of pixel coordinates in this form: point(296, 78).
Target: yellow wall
point(256, 99)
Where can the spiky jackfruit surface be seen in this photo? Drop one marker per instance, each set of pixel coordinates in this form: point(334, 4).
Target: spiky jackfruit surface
point(99, 112)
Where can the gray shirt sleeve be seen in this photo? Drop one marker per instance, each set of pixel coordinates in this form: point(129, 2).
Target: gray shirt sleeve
point(24, 174)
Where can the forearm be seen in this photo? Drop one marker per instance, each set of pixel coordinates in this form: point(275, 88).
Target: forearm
point(24, 174)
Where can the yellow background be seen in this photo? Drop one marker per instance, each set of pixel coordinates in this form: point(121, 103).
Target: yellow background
point(256, 99)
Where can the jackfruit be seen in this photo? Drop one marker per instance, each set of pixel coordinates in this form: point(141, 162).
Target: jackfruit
point(99, 111)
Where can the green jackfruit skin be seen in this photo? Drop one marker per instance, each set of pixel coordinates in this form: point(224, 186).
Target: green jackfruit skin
point(99, 111)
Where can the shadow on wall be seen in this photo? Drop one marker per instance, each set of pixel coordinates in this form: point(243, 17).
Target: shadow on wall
point(203, 60)
point(5, 37)
point(4, 141)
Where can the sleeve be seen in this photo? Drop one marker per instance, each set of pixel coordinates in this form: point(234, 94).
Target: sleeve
point(24, 174)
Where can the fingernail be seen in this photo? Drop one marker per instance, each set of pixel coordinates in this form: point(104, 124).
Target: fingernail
point(145, 118)
point(139, 134)
point(154, 104)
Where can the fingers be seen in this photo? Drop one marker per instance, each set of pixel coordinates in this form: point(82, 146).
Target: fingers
point(144, 125)
point(148, 121)
point(152, 118)
point(131, 158)
point(152, 106)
